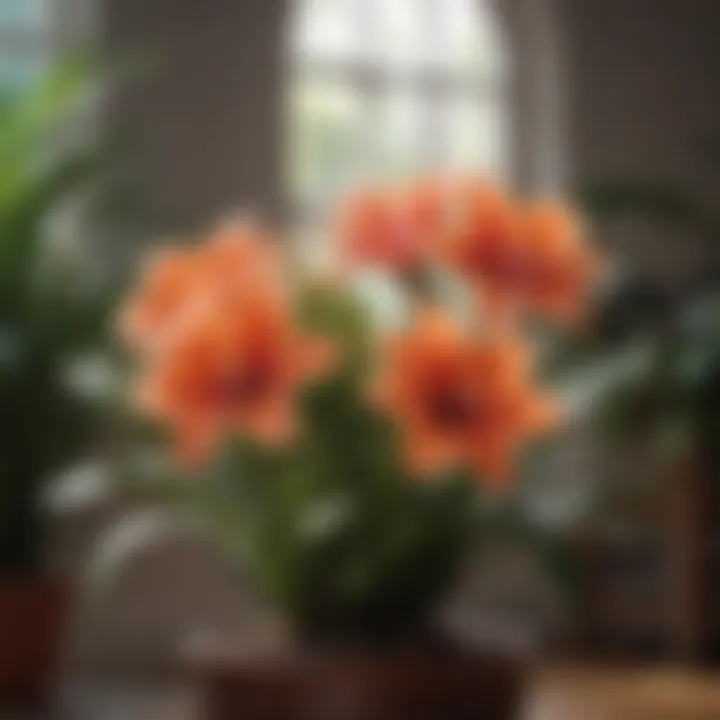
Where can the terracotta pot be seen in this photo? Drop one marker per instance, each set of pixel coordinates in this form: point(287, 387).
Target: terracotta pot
point(381, 685)
point(32, 614)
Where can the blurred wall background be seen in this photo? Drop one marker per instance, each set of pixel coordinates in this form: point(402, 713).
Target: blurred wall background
point(643, 103)
point(643, 85)
point(208, 120)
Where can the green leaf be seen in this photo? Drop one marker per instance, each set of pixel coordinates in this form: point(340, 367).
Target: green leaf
point(43, 421)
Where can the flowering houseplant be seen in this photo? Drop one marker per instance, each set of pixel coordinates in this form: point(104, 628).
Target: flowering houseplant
point(345, 463)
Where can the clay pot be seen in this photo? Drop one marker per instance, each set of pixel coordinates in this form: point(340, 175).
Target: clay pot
point(359, 685)
point(32, 614)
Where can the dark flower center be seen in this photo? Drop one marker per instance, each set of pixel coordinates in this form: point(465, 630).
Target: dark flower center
point(454, 408)
point(246, 386)
point(495, 260)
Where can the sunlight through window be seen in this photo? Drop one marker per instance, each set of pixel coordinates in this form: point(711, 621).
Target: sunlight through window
point(384, 89)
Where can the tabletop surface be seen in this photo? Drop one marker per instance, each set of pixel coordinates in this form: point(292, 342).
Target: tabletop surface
point(555, 693)
point(586, 693)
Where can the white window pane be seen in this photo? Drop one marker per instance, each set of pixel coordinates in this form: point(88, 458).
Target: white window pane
point(399, 149)
point(25, 15)
point(490, 56)
point(459, 28)
point(464, 38)
point(476, 137)
point(328, 30)
point(402, 32)
point(326, 139)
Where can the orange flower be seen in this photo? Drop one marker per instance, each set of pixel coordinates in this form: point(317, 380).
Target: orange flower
point(177, 281)
point(459, 400)
point(560, 267)
point(168, 279)
point(232, 368)
point(239, 254)
point(390, 228)
point(482, 243)
point(532, 258)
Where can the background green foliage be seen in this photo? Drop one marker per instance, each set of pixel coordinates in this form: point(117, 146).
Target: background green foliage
point(671, 399)
point(49, 315)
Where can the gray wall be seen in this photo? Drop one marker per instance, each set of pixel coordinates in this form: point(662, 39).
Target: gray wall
point(207, 120)
point(642, 100)
point(643, 84)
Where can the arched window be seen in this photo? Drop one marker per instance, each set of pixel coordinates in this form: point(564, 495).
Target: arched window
point(381, 89)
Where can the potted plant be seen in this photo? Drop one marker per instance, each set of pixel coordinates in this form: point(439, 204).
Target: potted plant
point(47, 319)
point(350, 467)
